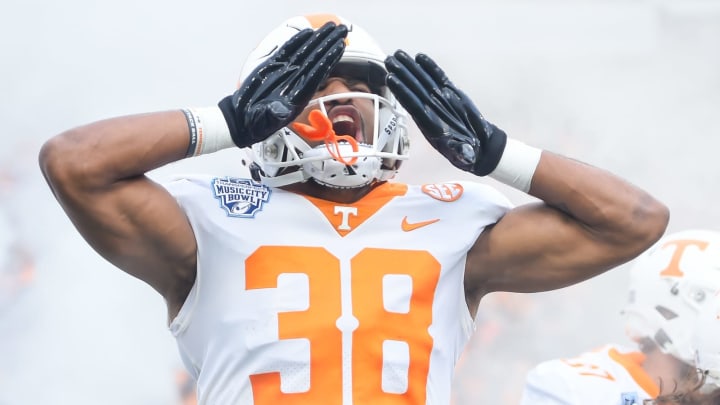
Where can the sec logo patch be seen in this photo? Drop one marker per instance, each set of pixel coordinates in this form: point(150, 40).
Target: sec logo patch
point(446, 192)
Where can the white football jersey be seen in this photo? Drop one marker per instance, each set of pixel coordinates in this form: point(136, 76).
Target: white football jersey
point(611, 375)
point(304, 301)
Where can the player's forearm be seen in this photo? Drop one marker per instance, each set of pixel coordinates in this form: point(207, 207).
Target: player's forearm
point(101, 153)
point(610, 207)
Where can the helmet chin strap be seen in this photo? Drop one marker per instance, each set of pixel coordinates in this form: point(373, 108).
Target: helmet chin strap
point(328, 170)
point(320, 183)
point(296, 176)
point(299, 176)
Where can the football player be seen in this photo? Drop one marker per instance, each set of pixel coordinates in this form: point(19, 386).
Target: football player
point(669, 286)
point(706, 344)
point(320, 280)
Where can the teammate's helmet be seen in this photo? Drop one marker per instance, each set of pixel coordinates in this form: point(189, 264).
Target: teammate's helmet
point(706, 341)
point(669, 284)
point(286, 158)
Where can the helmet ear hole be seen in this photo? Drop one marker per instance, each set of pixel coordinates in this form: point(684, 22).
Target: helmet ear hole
point(666, 313)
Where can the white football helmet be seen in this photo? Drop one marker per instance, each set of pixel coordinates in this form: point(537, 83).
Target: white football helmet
point(286, 157)
point(706, 341)
point(669, 284)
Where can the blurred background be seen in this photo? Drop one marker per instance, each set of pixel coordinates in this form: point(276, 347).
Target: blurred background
point(630, 86)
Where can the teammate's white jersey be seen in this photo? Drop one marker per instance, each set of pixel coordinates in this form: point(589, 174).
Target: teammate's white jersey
point(300, 300)
point(611, 375)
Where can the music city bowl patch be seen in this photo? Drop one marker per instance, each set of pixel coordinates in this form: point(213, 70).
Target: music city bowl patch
point(240, 198)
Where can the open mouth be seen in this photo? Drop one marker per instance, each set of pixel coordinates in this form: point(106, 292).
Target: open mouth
point(346, 120)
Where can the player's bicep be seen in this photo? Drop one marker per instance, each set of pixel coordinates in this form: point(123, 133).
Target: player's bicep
point(534, 248)
point(140, 228)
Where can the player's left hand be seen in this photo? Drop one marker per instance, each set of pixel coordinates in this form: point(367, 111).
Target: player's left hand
point(446, 116)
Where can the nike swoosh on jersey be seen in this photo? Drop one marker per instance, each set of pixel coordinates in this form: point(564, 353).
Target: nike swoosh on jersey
point(407, 226)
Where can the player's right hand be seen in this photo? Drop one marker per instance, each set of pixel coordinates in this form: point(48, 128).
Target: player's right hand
point(277, 91)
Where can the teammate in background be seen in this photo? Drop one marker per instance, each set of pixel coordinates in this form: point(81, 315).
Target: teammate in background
point(319, 280)
point(706, 344)
point(706, 340)
point(669, 285)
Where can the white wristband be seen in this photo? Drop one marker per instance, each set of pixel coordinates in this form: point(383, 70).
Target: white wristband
point(208, 131)
point(517, 165)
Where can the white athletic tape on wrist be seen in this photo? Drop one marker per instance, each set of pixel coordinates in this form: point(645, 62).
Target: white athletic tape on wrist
point(517, 165)
point(208, 131)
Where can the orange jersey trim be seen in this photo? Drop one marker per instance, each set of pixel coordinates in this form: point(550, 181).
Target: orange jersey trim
point(363, 209)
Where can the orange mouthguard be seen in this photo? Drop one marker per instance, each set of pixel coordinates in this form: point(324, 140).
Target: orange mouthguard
point(320, 129)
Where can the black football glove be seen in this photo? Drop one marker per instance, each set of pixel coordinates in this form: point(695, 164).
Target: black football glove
point(277, 91)
point(446, 116)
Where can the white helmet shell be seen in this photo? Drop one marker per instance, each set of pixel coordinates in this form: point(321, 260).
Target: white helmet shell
point(285, 157)
point(669, 285)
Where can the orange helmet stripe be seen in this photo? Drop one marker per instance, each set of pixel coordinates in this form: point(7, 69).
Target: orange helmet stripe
point(318, 20)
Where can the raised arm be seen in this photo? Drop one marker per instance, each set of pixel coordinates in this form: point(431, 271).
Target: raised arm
point(97, 171)
point(589, 220)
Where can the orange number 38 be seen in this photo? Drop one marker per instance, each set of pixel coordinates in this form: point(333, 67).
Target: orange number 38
point(376, 324)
